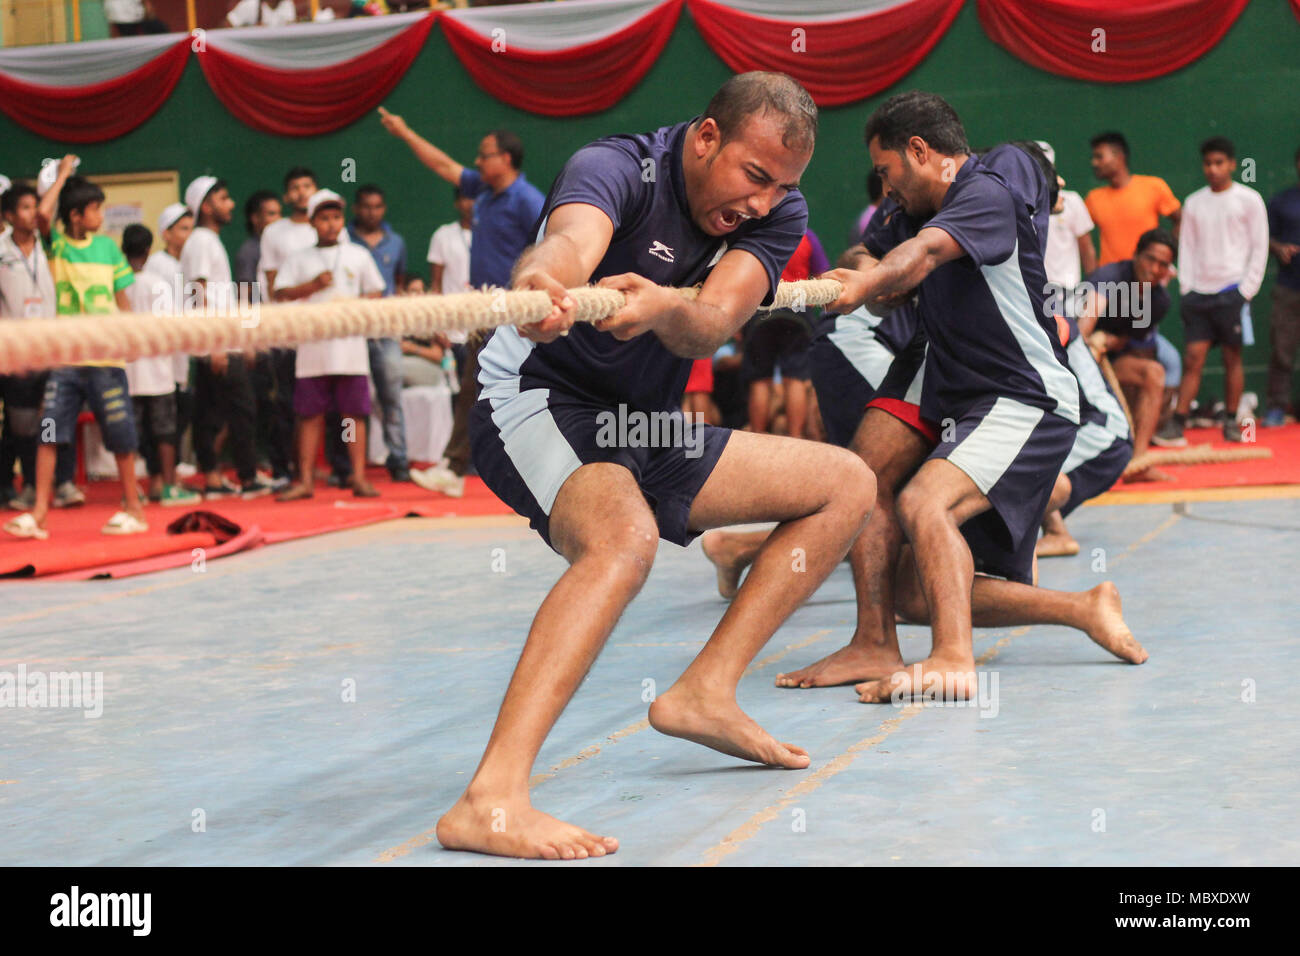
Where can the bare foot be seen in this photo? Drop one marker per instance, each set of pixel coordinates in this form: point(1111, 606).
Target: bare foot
point(1148, 474)
point(1056, 544)
point(934, 678)
point(718, 722)
point(513, 828)
point(726, 559)
point(1106, 624)
point(848, 665)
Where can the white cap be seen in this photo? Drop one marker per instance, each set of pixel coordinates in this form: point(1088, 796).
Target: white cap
point(1046, 147)
point(172, 215)
point(4, 184)
point(48, 174)
point(197, 191)
point(323, 197)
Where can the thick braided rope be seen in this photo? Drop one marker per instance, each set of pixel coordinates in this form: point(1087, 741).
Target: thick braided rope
point(1195, 455)
point(46, 343)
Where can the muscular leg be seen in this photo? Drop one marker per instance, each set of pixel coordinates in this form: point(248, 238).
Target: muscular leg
point(932, 508)
point(997, 603)
point(1146, 378)
point(821, 496)
point(604, 528)
point(892, 450)
point(1057, 540)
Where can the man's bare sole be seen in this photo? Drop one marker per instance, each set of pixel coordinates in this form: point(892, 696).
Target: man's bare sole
point(714, 545)
point(934, 678)
point(1106, 624)
point(851, 664)
point(719, 723)
point(1056, 545)
point(514, 828)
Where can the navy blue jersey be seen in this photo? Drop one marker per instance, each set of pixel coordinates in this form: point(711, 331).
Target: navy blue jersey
point(637, 181)
point(985, 313)
point(888, 227)
point(1131, 308)
point(1025, 177)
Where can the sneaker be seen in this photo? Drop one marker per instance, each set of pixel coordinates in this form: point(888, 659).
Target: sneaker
point(1275, 418)
point(256, 488)
point(1232, 431)
point(438, 478)
point(400, 474)
point(280, 483)
point(68, 495)
point(25, 500)
point(175, 496)
point(1171, 435)
point(337, 481)
point(223, 490)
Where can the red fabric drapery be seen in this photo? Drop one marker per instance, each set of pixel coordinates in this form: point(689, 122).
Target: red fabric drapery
point(839, 61)
point(569, 82)
point(100, 111)
point(315, 101)
point(1142, 38)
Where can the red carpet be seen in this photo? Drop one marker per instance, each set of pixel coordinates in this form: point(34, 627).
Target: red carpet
point(76, 550)
point(1282, 469)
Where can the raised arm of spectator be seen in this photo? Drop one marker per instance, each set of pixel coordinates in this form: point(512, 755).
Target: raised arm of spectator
point(48, 208)
point(424, 151)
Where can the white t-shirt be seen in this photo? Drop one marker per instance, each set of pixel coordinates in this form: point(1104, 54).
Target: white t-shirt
point(204, 257)
point(1223, 240)
point(449, 248)
point(155, 375)
point(280, 239)
point(355, 275)
point(1061, 260)
point(123, 11)
point(167, 267)
point(163, 264)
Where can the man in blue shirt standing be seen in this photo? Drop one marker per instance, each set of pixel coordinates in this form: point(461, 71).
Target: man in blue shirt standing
point(579, 429)
point(369, 230)
point(1284, 242)
point(506, 206)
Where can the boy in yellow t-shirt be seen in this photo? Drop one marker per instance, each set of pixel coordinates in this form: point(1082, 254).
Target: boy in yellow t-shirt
point(90, 277)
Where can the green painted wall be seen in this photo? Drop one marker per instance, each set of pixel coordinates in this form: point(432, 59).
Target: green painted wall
point(1248, 88)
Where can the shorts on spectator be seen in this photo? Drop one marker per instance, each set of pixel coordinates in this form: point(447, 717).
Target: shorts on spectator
point(344, 394)
point(782, 338)
point(527, 443)
point(104, 389)
point(1013, 453)
point(1213, 318)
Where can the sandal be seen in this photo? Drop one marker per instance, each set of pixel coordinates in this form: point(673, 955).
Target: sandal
point(124, 523)
point(25, 526)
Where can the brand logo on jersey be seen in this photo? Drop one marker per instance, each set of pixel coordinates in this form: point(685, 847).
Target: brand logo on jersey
point(660, 251)
point(717, 255)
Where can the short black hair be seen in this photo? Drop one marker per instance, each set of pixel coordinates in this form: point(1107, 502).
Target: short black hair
point(1111, 138)
point(78, 193)
point(758, 92)
point(253, 205)
point(510, 144)
point(137, 240)
point(1219, 144)
point(10, 197)
point(457, 195)
point(917, 113)
point(1161, 237)
point(1045, 166)
point(369, 189)
point(298, 172)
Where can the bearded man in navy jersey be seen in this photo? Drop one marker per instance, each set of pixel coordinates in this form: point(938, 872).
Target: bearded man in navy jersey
point(712, 200)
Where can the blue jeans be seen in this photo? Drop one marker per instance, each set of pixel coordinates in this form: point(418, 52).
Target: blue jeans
point(386, 371)
point(1168, 357)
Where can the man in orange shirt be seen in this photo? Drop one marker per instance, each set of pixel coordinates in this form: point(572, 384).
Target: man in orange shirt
point(1128, 205)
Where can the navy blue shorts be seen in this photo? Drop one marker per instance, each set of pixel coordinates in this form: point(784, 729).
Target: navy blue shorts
point(1095, 463)
point(849, 362)
point(527, 443)
point(1013, 452)
point(784, 340)
point(105, 390)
